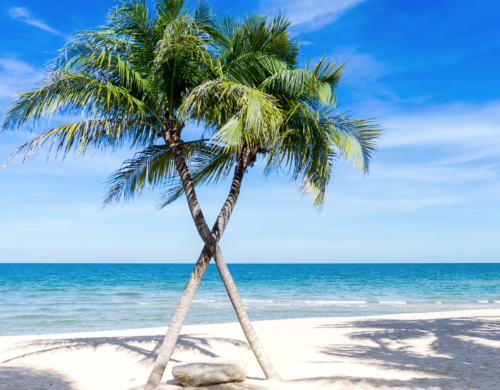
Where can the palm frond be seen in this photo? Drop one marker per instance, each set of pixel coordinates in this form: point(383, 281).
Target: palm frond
point(152, 167)
point(72, 93)
point(242, 114)
point(209, 166)
point(80, 136)
point(355, 139)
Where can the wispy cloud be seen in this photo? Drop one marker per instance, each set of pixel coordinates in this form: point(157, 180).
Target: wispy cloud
point(16, 76)
point(363, 78)
point(360, 67)
point(475, 127)
point(434, 157)
point(310, 15)
point(24, 15)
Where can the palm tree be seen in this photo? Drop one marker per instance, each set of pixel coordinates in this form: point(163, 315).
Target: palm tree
point(144, 74)
point(306, 143)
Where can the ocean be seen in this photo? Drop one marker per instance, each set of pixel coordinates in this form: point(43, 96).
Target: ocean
point(60, 298)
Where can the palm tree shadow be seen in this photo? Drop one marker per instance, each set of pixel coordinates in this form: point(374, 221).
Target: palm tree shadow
point(452, 353)
point(24, 378)
point(135, 345)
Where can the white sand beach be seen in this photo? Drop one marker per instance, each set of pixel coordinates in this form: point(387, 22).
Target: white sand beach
point(431, 351)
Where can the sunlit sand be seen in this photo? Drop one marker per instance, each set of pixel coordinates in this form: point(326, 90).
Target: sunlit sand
point(448, 350)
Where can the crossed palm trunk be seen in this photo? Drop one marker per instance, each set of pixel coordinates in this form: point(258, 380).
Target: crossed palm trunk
point(211, 248)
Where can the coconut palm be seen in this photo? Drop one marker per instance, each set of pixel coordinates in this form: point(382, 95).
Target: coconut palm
point(143, 75)
point(309, 137)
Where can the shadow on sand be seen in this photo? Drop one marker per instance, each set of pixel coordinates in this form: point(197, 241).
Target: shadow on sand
point(135, 344)
point(452, 354)
point(14, 378)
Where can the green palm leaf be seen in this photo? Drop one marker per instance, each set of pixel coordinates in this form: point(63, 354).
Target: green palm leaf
point(209, 166)
point(80, 136)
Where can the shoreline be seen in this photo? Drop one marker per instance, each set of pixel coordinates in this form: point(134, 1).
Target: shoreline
point(421, 315)
point(433, 350)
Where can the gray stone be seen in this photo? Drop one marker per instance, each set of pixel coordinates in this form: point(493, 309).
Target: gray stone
point(205, 374)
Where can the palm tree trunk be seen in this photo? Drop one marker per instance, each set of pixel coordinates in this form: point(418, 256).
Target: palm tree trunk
point(248, 329)
point(212, 244)
point(184, 304)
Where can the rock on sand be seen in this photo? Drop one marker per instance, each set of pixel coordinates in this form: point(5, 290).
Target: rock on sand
point(205, 374)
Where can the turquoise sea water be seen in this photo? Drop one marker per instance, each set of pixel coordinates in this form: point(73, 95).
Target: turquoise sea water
point(56, 298)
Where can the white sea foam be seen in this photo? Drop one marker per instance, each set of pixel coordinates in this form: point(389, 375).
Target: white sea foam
point(334, 303)
point(438, 303)
point(483, 301)
point(257, 300)
point(392, 302)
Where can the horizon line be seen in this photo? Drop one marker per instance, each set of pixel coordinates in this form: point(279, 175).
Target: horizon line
point(212, 263)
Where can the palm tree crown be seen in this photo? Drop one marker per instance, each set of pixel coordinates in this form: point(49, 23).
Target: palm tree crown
point(145, 73)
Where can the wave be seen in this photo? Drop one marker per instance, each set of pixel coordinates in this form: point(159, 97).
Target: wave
point(127, 294)
point(203, 300)
point(257, 300)
point(333, 303)
point(285, 303)
point(33, 317)
point(392, 302)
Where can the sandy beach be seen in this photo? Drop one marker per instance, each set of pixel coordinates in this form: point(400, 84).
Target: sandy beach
point(447, 350)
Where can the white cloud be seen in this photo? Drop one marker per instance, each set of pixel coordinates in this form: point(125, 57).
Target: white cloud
point(436, 157)
point(474, 127)
point(360, 67)
point(24, 15)
point(16, 76)
point(362, 75)
point(310, 15)
point(434, 173)
point(398, 203)
point(19, 12)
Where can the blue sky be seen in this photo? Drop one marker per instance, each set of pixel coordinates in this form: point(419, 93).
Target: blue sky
point(428, 73)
